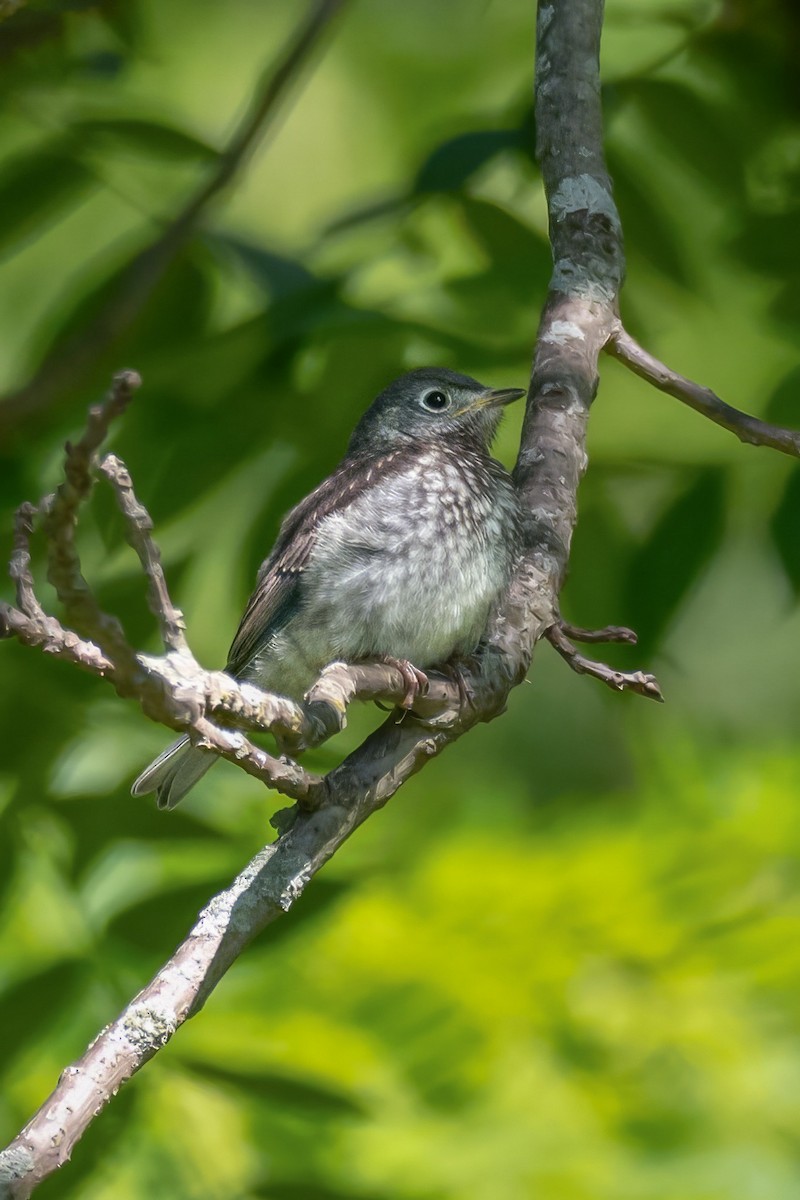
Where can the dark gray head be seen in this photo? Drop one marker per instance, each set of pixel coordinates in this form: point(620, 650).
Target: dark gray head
point(432, 403)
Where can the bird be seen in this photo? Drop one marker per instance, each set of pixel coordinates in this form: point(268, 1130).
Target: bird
point(398, 556)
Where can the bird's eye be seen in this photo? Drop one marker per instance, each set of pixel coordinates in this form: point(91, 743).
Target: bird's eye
point(435, 401)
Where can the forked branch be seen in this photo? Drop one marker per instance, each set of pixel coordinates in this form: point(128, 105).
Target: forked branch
point(575, 325)
point(750, 430)
point(579, 321)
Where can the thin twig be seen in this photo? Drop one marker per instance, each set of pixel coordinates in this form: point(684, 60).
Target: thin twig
point(748, 429)
point(632, 681)
point(19, 567)
point(610, 633)
point(60, 521)
point(283, 775)
point(138, 528)
point(71, 358)
point(576, 323)
point(49, 635)
point(268, 92)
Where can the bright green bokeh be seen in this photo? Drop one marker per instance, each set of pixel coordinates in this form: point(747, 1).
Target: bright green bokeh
point(563, 963)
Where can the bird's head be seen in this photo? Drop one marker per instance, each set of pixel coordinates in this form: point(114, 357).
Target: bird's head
point(432, 404)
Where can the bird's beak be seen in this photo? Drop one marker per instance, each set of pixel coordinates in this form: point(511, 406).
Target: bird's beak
point(497, 398)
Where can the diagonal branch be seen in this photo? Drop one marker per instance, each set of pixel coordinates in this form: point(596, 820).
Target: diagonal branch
point(748, 429)
point(578, 320)
point(72, 358)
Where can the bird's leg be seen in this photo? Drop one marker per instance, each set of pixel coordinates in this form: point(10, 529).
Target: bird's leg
point(635, 681)
point(455, 669)
point(416, 681)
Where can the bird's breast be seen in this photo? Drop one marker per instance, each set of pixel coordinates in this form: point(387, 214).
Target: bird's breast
point(411, 568)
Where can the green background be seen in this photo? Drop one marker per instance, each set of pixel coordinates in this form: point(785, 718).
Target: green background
point(564, 963)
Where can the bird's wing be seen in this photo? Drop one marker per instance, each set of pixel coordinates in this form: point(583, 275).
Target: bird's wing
point(280, 577)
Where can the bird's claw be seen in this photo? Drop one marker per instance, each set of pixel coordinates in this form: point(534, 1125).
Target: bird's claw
point(416, 681)
point(466, 696)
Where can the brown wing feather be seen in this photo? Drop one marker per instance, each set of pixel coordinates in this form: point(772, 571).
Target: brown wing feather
point(279, 580)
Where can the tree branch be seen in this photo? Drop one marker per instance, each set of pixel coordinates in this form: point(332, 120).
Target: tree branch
point(139, 527)
point(60, 522)
point(72, 358)
point(577, 322)
point(748, 429)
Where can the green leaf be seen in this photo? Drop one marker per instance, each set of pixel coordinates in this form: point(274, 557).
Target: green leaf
point(305, 1095)
point(695, 130)
point(177, 310)
point(785, 530)
point(306, 1190)
point(649, 231)
point(152, 138)
point(513, 281)
point(31, 1004)
point(449, 166)
point(783, 406)
point(35, 189)
point(281, 276)
point(663, 571)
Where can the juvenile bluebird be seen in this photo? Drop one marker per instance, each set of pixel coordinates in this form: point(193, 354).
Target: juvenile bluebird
point(397, 556)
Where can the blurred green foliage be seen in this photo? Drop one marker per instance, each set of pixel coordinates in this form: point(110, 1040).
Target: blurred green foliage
point(563, 963)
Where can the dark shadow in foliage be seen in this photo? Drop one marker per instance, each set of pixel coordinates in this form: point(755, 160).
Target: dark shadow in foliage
point(783, 408)
point(697, 133)
point(278, 275)
point(520, 258)
point(316, 903)
point(298, 299)
point(290, 1190)
point(579, 1048)
point(175, 315)
point(453, 163)
point(664, 1132)
point(163, 920)
point(649, 230)
point(35, 47)
point(35, 190)
point(309, 1098)
point(31, 1004)
point(9, 849)
point(436, 1041)
point(768, 244)
point(785, 530)
point(158, 923)
point(180, 305)
point(601, 549)
point(99, 820)
point(447, 169)
point(152, 139)
point(40, 688)
point(663, 570)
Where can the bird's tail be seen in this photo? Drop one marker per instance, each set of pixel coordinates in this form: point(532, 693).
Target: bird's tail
point(175, 771)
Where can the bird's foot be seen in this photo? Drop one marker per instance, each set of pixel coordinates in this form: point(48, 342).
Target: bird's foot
point(416, 681)
point(466, 696)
